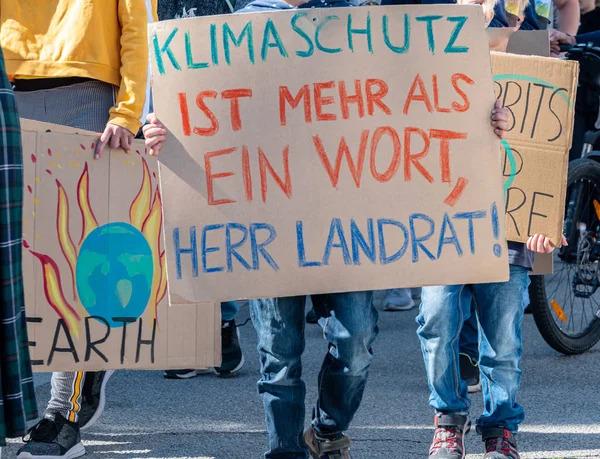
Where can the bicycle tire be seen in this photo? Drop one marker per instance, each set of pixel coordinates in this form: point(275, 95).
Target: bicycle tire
point(579, 169)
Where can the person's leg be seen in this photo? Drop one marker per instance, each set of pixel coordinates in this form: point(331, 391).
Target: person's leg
point(469, 336)
point(469, 352)
point(279, 323)
point(85, 106)
point(443, 313)
point(349, 323)
point(500, 308)
point(232, 358)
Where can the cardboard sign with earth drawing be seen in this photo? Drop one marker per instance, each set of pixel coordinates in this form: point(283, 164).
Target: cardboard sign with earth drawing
point(328, 150)
point(94, 263)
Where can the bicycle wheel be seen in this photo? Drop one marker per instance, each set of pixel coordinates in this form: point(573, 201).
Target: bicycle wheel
point(566, 304)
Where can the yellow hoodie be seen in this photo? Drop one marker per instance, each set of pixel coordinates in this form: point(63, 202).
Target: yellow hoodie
point(105, 40)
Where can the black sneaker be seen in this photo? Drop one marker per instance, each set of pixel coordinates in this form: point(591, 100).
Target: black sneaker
point(311, 317)
point(469, 372)
point(337, 447)
point(232, 359)
point(499, 444)
point(94, 397)
point(449, 436)
point(52, 439)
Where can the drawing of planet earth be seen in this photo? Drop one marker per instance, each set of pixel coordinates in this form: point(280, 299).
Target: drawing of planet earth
point(114, 272)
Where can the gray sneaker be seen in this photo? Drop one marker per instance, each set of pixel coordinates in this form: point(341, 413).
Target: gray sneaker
point(327, 448)
point(499, 444)
point(449, 436)
point(52, 439)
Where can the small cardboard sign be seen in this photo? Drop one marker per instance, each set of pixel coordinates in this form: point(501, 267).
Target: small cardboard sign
point(540, 94)
point(94, 264)
point(320, 151)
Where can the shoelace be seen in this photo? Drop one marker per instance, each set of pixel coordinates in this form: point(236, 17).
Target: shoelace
point(500, 445)
point(445, 437)
point(45, 431)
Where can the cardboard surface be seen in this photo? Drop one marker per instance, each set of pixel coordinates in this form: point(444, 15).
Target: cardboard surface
point(95, 281)
point(540, 93)
point(273, 186)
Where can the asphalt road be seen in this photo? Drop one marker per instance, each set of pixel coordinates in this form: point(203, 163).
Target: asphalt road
point(148, 417)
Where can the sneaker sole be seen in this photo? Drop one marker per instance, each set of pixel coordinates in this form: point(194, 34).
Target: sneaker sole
point(101, 403)
point(232, 372)
point(76, 451)
point(475, 389)
point(190, 375)
point(394, 308)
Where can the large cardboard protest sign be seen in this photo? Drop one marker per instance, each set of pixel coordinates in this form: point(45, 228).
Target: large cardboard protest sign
point(321, 150)
point(94, 264)
point(540, 94)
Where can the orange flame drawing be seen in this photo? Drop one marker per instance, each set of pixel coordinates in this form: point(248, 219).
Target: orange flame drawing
point(83, 197)
point(64, 236)
point(140, 208)
point(54, 293)
point(151, 230)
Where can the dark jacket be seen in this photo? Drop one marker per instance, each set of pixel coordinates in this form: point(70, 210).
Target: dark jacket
point(262, 5)
point(592, 37)
point(175, 9)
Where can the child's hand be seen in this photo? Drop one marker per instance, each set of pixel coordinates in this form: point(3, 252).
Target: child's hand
point(500, 119)
point(155, 134)
point(541, 244)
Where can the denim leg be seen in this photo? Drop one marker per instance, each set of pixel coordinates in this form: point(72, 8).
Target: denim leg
point(469, 337)
point(229, 310)
point(349, 323)
point(501, 308)
point(443, 312)
point(279, 323)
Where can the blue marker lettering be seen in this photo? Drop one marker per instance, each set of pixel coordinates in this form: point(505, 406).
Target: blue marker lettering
point(158, 52)
point(300, 247)
point(237, 41)
point(271, 31)
point(192, 251)
point(231, 248)
point(318, 35)
point(336, 228)
point(470, 216)
point(453, 239)
point(460, 23)
point(430, 37)
point(188, 55)
point(214, 52)
point(311, 48)
point(260, 248)
point(206, 250)
point(386, 35)
point(358, 240)
point(383, 257)
point(366, 31)
point(417, 241)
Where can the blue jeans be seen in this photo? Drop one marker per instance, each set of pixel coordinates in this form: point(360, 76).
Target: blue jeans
point(229, 310)
point(500, 308)
point(349, 324)
point(469, 336)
